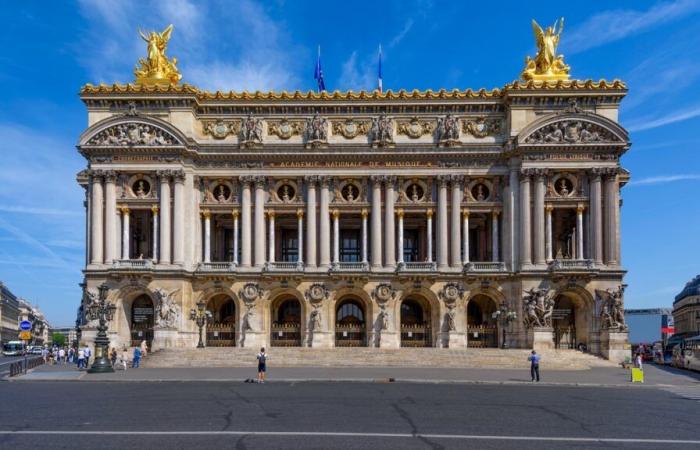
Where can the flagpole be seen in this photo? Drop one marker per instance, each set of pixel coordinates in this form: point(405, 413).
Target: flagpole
point(379, 71)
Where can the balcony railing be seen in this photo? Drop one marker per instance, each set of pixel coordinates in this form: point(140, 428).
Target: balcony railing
point(485, 266)
point(216, 267)
point(284, 266)
point(417, 266)
point(138, 264)
point(350, 266)
point(571, 265)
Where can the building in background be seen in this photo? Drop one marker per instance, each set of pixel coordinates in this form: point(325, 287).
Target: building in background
point(649, 325)
point(40, 326)
point(70, 333)
point(686, 309)
point(9, 315)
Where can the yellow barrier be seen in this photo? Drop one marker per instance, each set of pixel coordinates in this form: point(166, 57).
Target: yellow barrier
point(637, 375)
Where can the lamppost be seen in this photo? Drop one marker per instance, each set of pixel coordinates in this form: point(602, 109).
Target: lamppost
point(104, 312)
point(200, 316)
point(505, 316)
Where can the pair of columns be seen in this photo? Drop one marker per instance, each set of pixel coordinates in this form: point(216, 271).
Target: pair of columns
point(126, 231)
point(495, 235)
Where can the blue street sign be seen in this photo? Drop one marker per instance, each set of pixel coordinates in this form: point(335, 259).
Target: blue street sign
point(25, 325)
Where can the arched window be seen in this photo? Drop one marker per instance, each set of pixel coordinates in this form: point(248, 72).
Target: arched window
point(289, 312)
point(349, 312)
point(411, 313)
point(227, 312)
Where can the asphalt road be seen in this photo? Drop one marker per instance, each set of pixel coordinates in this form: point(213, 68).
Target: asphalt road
point(341, 415)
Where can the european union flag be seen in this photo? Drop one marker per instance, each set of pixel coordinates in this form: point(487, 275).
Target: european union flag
point(379, 71)
point(318, 73)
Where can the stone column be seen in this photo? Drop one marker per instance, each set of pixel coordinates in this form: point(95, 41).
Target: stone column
point(525, 247)
point(455, 225)
point(311, 220)
point(399, 246)
point(596, 216)
point(234, 214)
point(389, 228)
point(364, 214)
point(154, 215)
point(164, 218)
point(538, 218)
point(259, 217)
point(336, 236)
point(246, 225)
point(513, 231)
point(495, 250)
point(300, 236)
point(111, 218)
point(465, 236)
point(271, 233)
point(126, 232)
point(429, 228)
point(548, 232)
point(206, 215)
point(610, 217)
point(324, 225)
point(442, 249)
point(376, 222)
point(97, 210)
point(579, 232)
point(179, 219)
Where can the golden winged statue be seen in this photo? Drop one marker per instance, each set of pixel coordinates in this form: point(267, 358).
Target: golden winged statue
point(157, 68)
point(547, 65)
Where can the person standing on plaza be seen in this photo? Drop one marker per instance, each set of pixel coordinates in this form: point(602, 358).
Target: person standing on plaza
point(81, 359)
point(88, 353)
point(638, 361)
point(62, 356)
point(113, 356)
point(45, 354)
point(124, 361)
point(534, 359)
point(144, 348)
point(262, 365)
point(137, 358)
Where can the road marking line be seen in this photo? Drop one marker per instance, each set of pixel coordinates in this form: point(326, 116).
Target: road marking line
point(351, 434)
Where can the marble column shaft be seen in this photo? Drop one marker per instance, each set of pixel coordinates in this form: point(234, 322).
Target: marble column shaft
point(235, 236)
point(429, 229)
point(271, 234)
point(455, 227)
point(389, 224)
point(525, 233)
point(179, 220)
point(164, 219)
point(246, 225)
point(311, 221)
point(548, 232)
point(324, 225)
point(126, 233)
point(155, 220)
point(611, 206)
point(538, 219)
point(336, 236)
point(596, 218)
point(364, 213)
point(259, 218)
point(111, 217)
point(97, 213)
point(376, 218)
point(579, 232)
point(399, 245)
point(495, 247)
point(207, 236)
point(465, 236)
point(442, 233)
point(300, 235)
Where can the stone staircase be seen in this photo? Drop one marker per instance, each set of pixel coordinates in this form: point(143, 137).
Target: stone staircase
point(490, 358)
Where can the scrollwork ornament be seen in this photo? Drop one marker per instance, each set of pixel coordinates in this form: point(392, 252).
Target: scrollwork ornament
point(220, 129)
point(415, 128)
point(451, 293)
point(482, 127)
point(285, 129)
point(351, 128)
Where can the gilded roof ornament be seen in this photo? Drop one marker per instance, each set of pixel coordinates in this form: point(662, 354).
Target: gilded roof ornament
point(157, 69)
point(547, 65)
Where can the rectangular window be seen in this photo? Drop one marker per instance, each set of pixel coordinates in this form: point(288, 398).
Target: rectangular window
point(350, 243)
point(411, 245)
point(290, 245)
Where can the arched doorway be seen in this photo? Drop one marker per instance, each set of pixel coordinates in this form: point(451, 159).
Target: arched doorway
point(570, 320)
point(141, 320)
point(350, 323)
point(415, 323)
point(482, 329)
point(286, 323)
point(221, 328)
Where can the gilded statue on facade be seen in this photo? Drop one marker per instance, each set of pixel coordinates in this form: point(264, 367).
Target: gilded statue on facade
point(547, 65)
point(157, 68)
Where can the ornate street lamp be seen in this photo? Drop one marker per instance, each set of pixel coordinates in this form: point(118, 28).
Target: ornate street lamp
point(505, 316)
point(102, 311)
point(200, 316)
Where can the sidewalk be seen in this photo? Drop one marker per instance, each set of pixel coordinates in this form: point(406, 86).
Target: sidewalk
point(599, 376)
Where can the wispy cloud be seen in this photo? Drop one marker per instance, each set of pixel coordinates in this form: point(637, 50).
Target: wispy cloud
point(358, 76)
point(41, 211)
point(655, 122)
point(401, 34)
point(613, 25)
point(662, 179)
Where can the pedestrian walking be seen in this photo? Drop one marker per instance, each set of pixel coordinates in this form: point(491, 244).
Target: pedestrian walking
point(638, 361)
point(137, 358)
point(144, 348)
point(45, 354)
point(124, 360)
point(88, 354)
point(81, 359)
point(71, 355)
point(62, 356)
point(113, 356)
point(262, 365)
point(534, 359)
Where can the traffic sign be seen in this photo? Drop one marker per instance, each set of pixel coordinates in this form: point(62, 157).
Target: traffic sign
point(25, 325)
point(25, 335)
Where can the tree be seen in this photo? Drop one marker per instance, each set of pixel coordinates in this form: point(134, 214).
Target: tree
point(58, 339)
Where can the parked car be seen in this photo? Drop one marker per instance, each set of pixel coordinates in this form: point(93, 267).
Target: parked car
point(35, 350)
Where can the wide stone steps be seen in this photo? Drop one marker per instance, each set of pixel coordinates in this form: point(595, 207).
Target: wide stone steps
point(371, 357)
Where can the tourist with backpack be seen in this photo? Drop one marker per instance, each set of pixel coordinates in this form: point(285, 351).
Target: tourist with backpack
point(262, 365)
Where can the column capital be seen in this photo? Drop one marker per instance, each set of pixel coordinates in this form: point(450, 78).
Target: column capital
point(399, 212)
point(235, 213)
point(429, 213)
point(610, 172)
point(390, 181)
point(246, 180)
point(179, 176)
point(155, 210)
point(206, 213)
point(364, 213)
point(324, 181)
point(443, 180)
point(110, 176)
point(270, 213)
point(300, 213)
point(335, 213)
point(495, 213)
point(456, 180)
point(465, 213)
point(259, 181)
point(124, 210)
point(311, 180)
point(548, 208)
point(580, 208)
point(596, 173)
point(376, 179)
point(96, 176)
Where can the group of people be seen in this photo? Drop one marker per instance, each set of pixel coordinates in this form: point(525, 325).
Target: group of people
point(79, 355)
point(122, 359)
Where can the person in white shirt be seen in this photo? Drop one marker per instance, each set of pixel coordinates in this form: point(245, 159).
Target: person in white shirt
point(81, 359)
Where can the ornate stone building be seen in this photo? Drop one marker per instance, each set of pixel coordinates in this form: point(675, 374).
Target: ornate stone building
point(358, 219)
point(686, 309)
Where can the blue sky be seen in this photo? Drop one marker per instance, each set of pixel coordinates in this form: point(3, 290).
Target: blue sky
point(50, 49)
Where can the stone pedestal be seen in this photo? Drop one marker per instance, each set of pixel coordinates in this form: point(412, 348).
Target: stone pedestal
point(540, 338)
point(320, 339)
point(253, 339)
point(389, 339)
point(452, 339)
point(614, 345)
point(164, 338)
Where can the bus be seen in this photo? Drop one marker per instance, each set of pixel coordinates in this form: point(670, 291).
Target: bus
point(690, 354)
point(13, 348)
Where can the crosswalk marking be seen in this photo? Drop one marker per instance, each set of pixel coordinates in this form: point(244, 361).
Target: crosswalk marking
point(687, 392)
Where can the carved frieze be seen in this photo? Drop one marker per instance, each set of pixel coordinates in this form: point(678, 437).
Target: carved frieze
point(571, 132)
point(415, 128)
point(285, 129)
point(131, 134)
point(220, 129)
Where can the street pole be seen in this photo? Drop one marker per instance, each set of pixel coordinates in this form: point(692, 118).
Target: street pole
point(104, 312)
point(200, 316)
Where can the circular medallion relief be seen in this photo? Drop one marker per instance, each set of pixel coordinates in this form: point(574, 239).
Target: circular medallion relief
point(415, 192)
point(564, 187)
point(286, 192)
point(480, 192)
point(141, 188)
point(351, 192)
point(222, 193)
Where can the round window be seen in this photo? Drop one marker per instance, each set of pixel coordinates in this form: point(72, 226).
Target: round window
point(351, 192)
point(141, 188)
point(222, 193)
point(286, 193)
point(564, 187)
point(415, 192)
point(480, 192)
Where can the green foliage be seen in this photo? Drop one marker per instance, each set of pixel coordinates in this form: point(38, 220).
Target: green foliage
point(58, 339)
